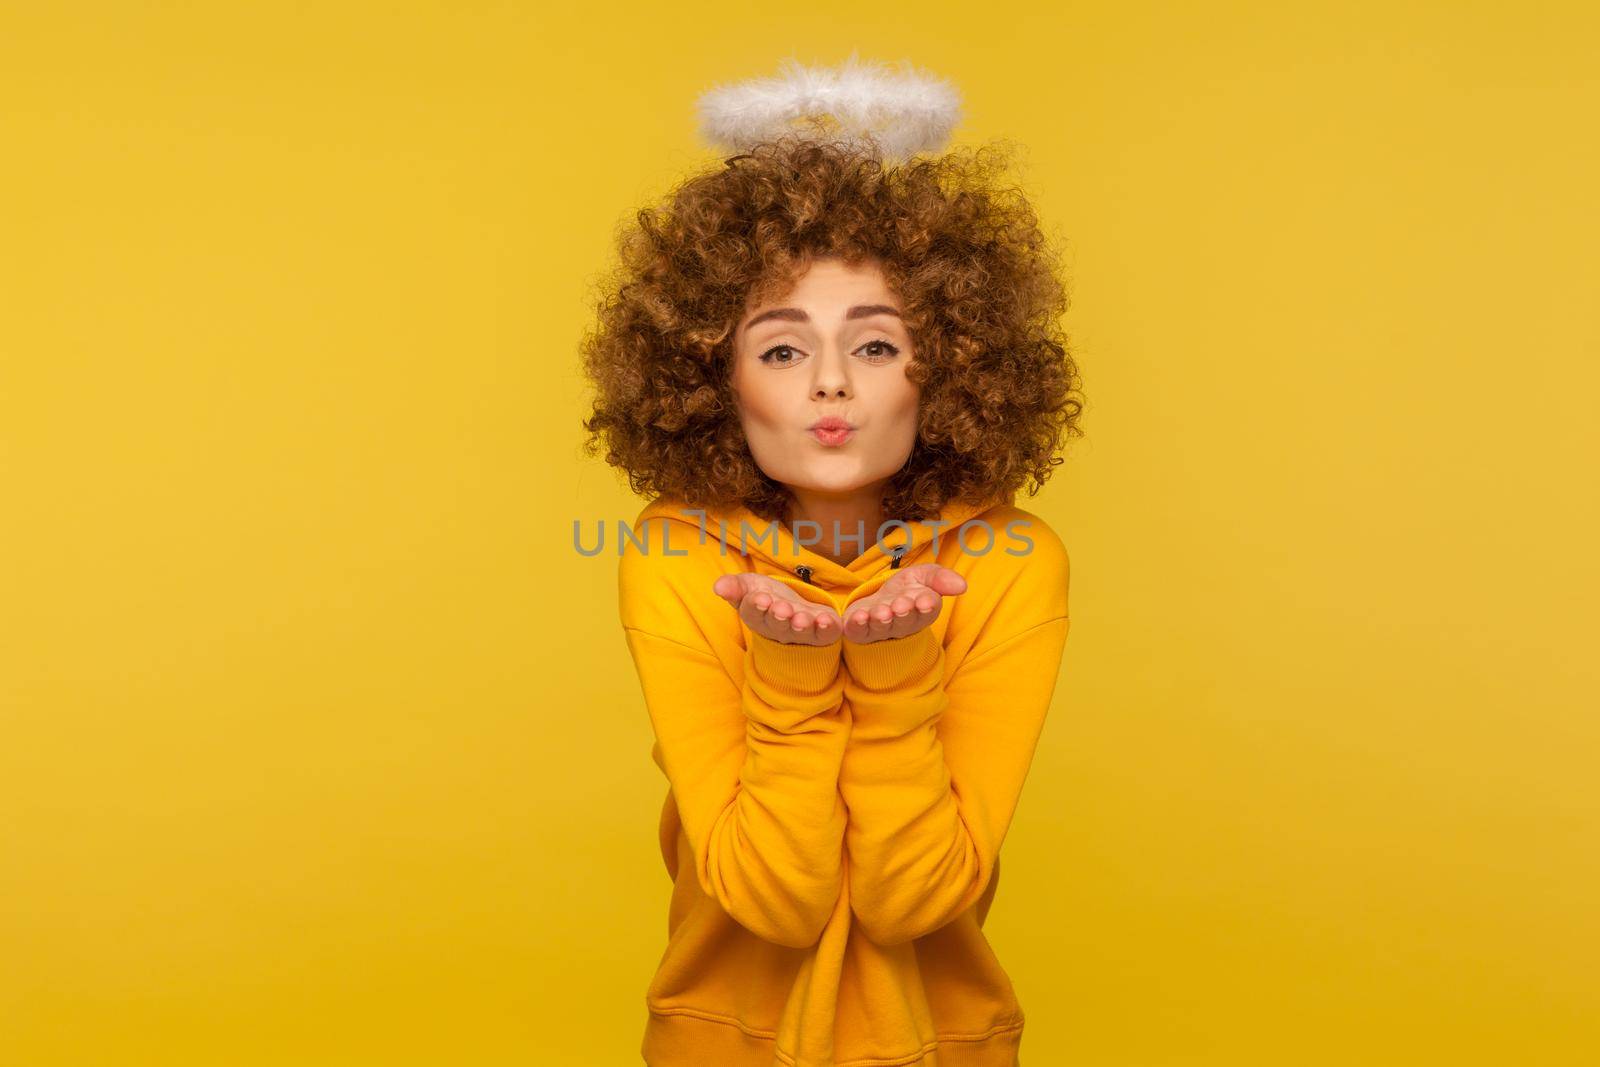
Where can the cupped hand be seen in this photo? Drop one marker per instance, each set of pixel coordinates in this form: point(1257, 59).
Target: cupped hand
point(904, 604)
point(774, 610)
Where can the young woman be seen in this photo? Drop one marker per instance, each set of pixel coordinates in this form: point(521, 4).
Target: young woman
point(831, 376)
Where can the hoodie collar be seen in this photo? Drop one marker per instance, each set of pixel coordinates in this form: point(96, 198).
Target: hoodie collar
point(774, 542)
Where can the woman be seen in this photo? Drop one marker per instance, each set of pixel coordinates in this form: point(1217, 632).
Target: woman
point(803, 346)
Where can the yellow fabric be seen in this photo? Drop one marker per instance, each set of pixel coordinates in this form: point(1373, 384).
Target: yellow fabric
point(834, 815)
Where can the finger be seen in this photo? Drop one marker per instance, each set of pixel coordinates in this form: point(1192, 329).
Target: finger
point(882, 621)
point(946, 582)
point(858, 625)
point(758, 607)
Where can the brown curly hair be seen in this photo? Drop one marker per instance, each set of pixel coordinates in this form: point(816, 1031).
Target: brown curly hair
point(982, 296)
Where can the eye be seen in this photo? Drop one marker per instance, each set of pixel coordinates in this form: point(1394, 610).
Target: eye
point(770, 360)
point(891, 352)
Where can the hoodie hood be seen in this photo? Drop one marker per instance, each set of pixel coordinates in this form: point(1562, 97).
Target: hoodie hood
point(773, 543)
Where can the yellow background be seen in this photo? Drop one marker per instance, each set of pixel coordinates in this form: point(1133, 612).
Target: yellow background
point(321, 744)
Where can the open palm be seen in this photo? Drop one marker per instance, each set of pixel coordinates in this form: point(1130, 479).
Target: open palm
point(773, 610)
point(904, 604)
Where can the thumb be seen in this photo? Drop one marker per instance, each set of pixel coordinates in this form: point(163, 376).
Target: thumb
point(947, 582)
point(730, 587)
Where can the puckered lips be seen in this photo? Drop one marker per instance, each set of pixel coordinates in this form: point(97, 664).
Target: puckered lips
point(832, 430)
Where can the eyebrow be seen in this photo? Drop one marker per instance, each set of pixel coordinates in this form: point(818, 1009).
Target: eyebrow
point(860, 311)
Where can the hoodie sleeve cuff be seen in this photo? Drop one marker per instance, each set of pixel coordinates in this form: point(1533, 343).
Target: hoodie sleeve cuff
point(885, 666)
point(785, 670)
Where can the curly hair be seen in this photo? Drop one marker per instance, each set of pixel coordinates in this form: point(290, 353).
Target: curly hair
point(982, 297)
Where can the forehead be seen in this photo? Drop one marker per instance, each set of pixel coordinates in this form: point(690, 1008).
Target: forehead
point(825, 279)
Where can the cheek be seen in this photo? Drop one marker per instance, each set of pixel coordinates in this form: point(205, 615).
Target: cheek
point(758, 407)
point(907, 405)
point(761, 403)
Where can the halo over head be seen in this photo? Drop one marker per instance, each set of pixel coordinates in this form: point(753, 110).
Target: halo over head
point(901, 113)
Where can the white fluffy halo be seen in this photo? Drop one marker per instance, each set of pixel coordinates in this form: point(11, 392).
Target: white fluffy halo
point(903, 113)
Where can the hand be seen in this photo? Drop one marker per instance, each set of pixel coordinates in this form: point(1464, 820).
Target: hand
point(773, 610)
point(906, 603)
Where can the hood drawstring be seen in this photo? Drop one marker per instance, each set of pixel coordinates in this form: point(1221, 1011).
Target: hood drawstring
point(899, 553)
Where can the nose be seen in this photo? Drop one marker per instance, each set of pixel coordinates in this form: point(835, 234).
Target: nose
point(831, 375)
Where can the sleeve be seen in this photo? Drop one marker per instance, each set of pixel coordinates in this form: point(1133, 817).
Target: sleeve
point(936, 760)
point(753, 763)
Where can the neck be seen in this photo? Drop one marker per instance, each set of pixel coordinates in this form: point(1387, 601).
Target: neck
point(857, 511)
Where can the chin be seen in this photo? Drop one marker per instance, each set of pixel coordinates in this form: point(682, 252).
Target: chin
point(824, 482)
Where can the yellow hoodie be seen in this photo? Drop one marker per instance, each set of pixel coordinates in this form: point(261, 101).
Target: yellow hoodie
point(835, 814)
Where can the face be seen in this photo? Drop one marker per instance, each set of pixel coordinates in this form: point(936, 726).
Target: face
point(833, 347)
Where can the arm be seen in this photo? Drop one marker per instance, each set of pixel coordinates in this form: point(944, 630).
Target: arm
point(753, 763)
point(936, 761)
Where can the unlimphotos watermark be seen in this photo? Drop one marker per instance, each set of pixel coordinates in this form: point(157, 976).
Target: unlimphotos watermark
point(749, 535)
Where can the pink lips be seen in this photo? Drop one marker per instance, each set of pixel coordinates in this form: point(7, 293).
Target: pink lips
point(832, 430)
